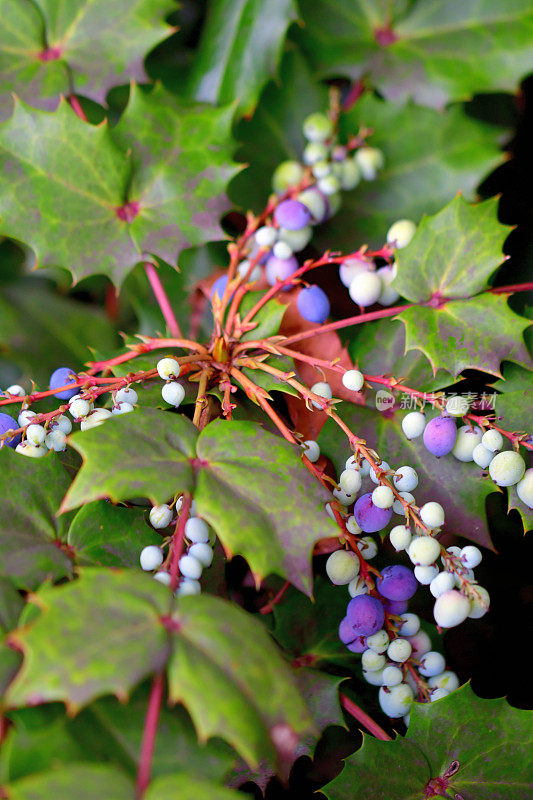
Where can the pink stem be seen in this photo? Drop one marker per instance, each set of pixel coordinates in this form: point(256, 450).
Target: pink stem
point(266, 609)
point(177, 541)
point(76, 107)
point(162, 299)
point(345, 323)
point(364, 719)
point(151, 722)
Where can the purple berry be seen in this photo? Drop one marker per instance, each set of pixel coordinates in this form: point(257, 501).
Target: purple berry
point(292, 215)
point(439, 435)
point(219, 287)
point(7, 423)
point(369, 517)
point(358, 645)
point(61, 377)
point(366, 615)
point(346, 631)
point(313, 304)
point(396, 606)
point(278, 269)
point(397, 583)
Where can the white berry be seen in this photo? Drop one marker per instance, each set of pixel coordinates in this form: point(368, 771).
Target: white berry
point(400, 537)
point(372, 661)
point(507, 468)
point(457, 406)
point(470, 556)
point(367, 547)
point(400, 233)
point(379, 641)
point(399, 650)
point(161, 516)
point(424, 550)
point(441, 583)
point(425, 575)
point(151, 557)
point(432, 515)
point(35, 434)
point(79, 408)
point(524, 488)
point(311, 450)
point(190, 567)
point(168, 368)
point(25, 417)
point(482, 456)
point(383, 497)
point(413, 424)
point(122, 408)
point(353, 380)
point(350, 481)
point(31, 450)
point(126, 395)
point(405, 479)
point(365, 288)
point(342, 567)
point(467, 440)
point(322, 389)
point(410, 624)
point(95, 419)
point(62, 423)
point(56, 440)
point(432, 663)
point(357, 586)
point(492, 440)
point(173, 393)
point(196, 530)
point(450, 609)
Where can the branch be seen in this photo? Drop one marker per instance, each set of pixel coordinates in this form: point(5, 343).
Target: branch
point(162, 299)
point(151, 722)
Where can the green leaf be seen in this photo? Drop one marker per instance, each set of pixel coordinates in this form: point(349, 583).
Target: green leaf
point(10, 661)
point(98, 635)
point(56, 331)
point(270, 382)
point(245, 694)
point(514, 402)
point(187, 788)
point(457, 486)
point(430, 156)
point(239, 50)
point(421, 61)
point(29, 531)
point(526, 513)
point(78, 179)
point(110, 536)
point(11, 604)
point(486, 741)
point(83, 781)
point(268, 317)
point(98, 44)
point(453, 253)
point(477, 333)
point(146, 453)
point(261, 500)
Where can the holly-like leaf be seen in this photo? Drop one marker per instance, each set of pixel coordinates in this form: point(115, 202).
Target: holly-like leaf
point(526, 513)
point(457, 486)
point(430, 156)
point(164, 195)
point(477, 333)
point(470, 748)
point(83, 781)
point(514, 402)
point(261, 500)
point(245, 694)
point(56, 330)
point(11, 604)
point(148, 456)
point(30, 534)
point(239, 50)
point(85, 46)
point(98, 635)
point(453, 253)
point(410, 49)
point(187, 788)
point(103, 534)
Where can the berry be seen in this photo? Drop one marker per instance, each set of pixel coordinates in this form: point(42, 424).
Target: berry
point(492, 440)
point(243, 268)
point(425, 575)
point(296, 240)
point(392, 676)
point(441, 583)
point(311, 450)
point(347, 635)
point(396, 607)
point(31, 450)
point(388, 295)
point(287, 174)
point(187, 587)
point(467, 440)
point(25, 417)
point(79, 408)
point(352, 267)
point(450, 609)
point(35, 434)
point(313, 304)
point(372, 661)
point(423, 551)
point(173, 393)
point(315, 151)
point(396, 701)
point(151, 557)
point(482, 456)
point(322, 389)
point(445, 680)
point(383, 497)
point(438, 694)
point(471, 556)
point(480, 603)
point(368, 516)
point(413, 424)
point(400, 233)
point(329, 185)
point(378, 642)
point(61, 377)
point(353, 380)
point(356, 587)
point(122, 408)
point(400, 537)
point(282, 250)
point(126, 395)
point(62, 423)
point(317, 127)
point(163, 577)
point(168, 368)
point(432, 663)
point(95, 419)
point(405, 479)
point(373, 677)
point(343, 497)
point(196, 530)
point(161, 516)
point(365, 288)
point(421, 643)
point(507, 468)
point(440, 435)
point(410, 625)
point(457, 406)
point(190, 567)
point(369, 160)
point(202, 552)
point(349, 174)
point(399, 650)
point(350, 481)
point(397, 582)
point(266, 236)
point(342, 566)
point(352, 526)
point(15, 390)
point(383, 466)
point(432, 514)
point(366, 615)
point(524, 488)
point(279, 269)
point(56, 440)
point(316, 203)
point(397, 506)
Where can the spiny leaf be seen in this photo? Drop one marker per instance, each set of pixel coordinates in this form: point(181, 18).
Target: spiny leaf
point(477, 333)
point(83, 781)
point(410, 49)
point(457, 486)
point(485, 741)
point(85, 46)
point(513, 405)
point(239, 50)
point(29, 532)
point(453, 253)
point(526, 513)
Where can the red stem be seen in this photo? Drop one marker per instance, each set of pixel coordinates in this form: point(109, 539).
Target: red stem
point(151, 722)
point(275, 600)
point(177, 541)
point(162, 299)
point(76, 107)
point(345, 323)
point(364, 719)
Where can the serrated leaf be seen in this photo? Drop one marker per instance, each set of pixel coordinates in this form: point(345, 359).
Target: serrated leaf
point(98, 635)
point(477, 333)
point(30, 534)
point(239, 50)
point(261, 500)
point(486, 740)
point(526, 513)
point(245, 694)
point(453, 253)
point(83, 781)
point(106, 535)
point(71, 176)
point(430, 156)
point(187, 788)
point(147, 453)
point(410, 49)
point(92, 45)
point(513, 405)
point(457, 486)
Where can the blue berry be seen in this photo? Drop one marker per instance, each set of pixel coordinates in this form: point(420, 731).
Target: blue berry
point(397, 583)
point(292, 214)
point(365, 614)
point(7, 423)
point(278, 269)
point(313, 304)
point(219, 287)
point(370, 517)
point(440, 435)
point(61, 377)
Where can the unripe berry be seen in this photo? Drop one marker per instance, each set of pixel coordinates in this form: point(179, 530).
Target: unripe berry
point(432, 515)
point(161, 516)
point(467, 440)
point(342, 567)
point(316, 203)
point(369, 160)
point(424, 550)
point(480, 603)
point(383, 467)
point(397, 506)
point(413, 424)
point(410, 624)
point(35, 434)
point(421, 643)
point(425, 575)
point(315, 151)
point(56, 440)
point(357, 586)
point(352, 267)
point(352, 526)
point(287, 174)
point(405, 479)
point(196, 530)
point(492, 440)
point(392, 676)
point(122, 408)
point(173, 393)
point(350, 481)
point(400, 537)
point(168, 368)
point(378, 642)
point(507, 468)
point(397, 701)
point(373, 677)
point(321, 169)
point(151, 557)
point(190, 567)
point(471, 556)
point(450, 609)
point(322, 389)
point(441, 583)
point(188, 586)
point(438, 694)
point(400, 233)
point(311, 450)
point(383, 497)
point(457, 406)
point(126, 395)
point(62, 423)
point(79, 408)
point(343, 498)
point(432, 663)
point(296, 240)
point(367, 547)
point(31, 450)
point(163, 577)
point(353, 380)
point(266, 236)
point(202, 552)
point(254, 275)
point(317, 127)
point(399, 650)
point(524, 488)
point(95, 419)
point(15, 390)
point(482, 456)
point(329, 185)
point(388, 295)
point(365, 288)
point(445, 680)
point(372, 661)
point(25, 417)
